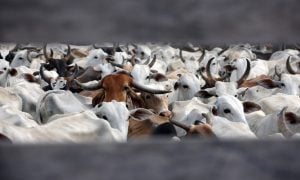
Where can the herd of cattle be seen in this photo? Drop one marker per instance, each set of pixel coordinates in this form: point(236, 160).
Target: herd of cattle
point(117, 92)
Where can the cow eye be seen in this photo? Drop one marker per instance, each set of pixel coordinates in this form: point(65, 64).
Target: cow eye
point(95, 57)
point(104, 117)
point(236, 95)
point(173, 57)
point(282, 84)
point(142, 53)
point(5, 69)
point(227, 111)
point(126, 88)
point(127, 106)
point(147, 96)
point(185, 86)
point(20, 58)
point(99, 105)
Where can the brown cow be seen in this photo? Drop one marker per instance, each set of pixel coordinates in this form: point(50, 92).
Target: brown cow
point(118, 87)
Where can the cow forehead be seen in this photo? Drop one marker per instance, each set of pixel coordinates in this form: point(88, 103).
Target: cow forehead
point(228, 101)
point(116, 80)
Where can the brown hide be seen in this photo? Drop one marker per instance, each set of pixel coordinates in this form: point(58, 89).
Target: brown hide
point(253, 82)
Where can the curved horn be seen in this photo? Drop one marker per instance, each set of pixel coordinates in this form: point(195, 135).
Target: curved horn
point(148, 90)
point(282, 125)
point(277, 72)
point(28, 57)
point(181, 57)
point(202, 56)
point(132, 60)
point(43, 76)
point(289, 66)
point(209, 75)
point(202, 75)
point(45, 53)
point(221, 52)
point(68, 52)
point(246, 74)
point(123, 60)
point(74, 75)
point(89, 87)
point(181, 125)
point(153, 61)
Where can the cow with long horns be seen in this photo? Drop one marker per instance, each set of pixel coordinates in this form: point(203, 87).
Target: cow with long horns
point(119, 87)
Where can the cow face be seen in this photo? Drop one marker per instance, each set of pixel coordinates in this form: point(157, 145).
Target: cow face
point(230, 108)
point(159, 103)
point(140, 72)
point(187, 86)
point(142, 53)
point(5, 71)
point(116, 88)
point(115, 113)
point(59, 83)
point(96, 56)
point(21, 59)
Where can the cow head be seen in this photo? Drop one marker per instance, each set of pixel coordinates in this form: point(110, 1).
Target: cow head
point(117, 87)
point(143, 122)
point(9, 55)
point(59, 83)
point(5, 72)
point(61, 65)
point(197, 129)
point(159, 103)
point(186, 86)
point(115, 113)
point(232, 109)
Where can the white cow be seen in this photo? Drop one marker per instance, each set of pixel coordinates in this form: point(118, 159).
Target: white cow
point(57, 102)
point(80, 127)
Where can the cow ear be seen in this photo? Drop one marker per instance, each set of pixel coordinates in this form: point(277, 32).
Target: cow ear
point(269, 83)
point(203, 94)
point(214, 110)
point(13, 72)
point(159, 77)
point(250, 107)
point(292, 118)
point(141, 114)
point(30, 78)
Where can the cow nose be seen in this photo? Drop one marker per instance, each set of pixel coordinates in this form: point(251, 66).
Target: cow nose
point(166, 113)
